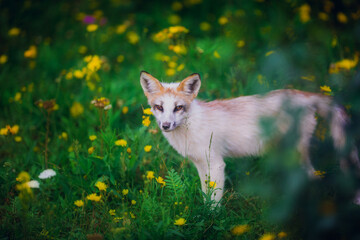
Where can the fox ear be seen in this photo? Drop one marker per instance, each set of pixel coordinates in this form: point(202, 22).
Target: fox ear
point(190, 85)
point(149, 84)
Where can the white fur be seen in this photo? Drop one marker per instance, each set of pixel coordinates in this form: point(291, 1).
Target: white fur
point(208, 132)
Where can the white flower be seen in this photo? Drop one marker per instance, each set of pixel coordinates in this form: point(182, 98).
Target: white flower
point(107, 107)
point(33, 184)
point(48, 173)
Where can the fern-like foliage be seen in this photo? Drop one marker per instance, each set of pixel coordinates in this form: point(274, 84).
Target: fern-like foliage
point(175, 184)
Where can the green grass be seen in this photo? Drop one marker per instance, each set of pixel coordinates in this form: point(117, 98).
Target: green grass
point(271, 194)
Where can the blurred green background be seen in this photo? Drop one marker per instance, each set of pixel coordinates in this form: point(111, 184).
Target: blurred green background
point(56, 57)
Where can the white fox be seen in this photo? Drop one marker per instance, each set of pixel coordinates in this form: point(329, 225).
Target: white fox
point(206, 132)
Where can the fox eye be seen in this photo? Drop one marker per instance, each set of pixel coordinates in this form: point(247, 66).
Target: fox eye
point(158, 107)
point(178, 108)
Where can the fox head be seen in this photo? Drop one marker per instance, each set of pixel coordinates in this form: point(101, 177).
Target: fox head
point(170, 102)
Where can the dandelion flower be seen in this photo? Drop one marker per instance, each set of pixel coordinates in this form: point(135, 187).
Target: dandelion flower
point(326, 90)
point(121, 143)
point(101, 186)
point(147, 111)
point(112, 212)
point(240, 229)
point(91, 150)
point(76, 109)
point(223, 20)
point(216, 54)
point(125, 192)
point(146, 121)
point(304, 11)
point(3, 59)
point(240, 43)
point(23, 177)
point(92, 27)
point(205, 26)
point(18, 139)
point(212, 184)
point(180, 222)
point(128, 150)
point(94, 197)
point(79, 203)
point(48, 173)
point(147, 148)
point(267, 236)
point(31, 52)
point(132, 37)
point(4, 131)
point(14, 31)
point(125, 110)
point(341, 17)
point(282, 234)
point(14, 129)
point(133, 202)
point(92, 137)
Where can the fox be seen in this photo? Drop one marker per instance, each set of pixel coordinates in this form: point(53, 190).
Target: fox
point(207, 132)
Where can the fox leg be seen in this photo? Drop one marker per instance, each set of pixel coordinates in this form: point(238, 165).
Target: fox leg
point(214, 171)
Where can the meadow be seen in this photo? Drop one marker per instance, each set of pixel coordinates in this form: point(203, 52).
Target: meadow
point(81, 156)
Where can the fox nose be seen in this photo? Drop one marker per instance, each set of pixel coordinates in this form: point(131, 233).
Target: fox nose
point(166, 125)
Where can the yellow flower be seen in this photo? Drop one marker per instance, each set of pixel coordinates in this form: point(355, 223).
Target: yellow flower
point(94, 64)
point(78, 74)
point(63, 135)
point(82, 49)
point(4, 131)
point(14, 31)
point(216, 54)
point(319, 173)
point(18, 139)
point(267, 236)
point(76, 109)
point(176, 6)
point(68, 75)
point(146, 121)
point(212, 184)
point(128, 150)
point(223, 20)
point(323, 16)
point(125, 192)
point(91, 150)
point(101, 186)
point(205, 26)
point(120, 58)
point(304, 11)
point(147, 111)
point(326, 89)
point(341, 17)
point(150, 175)
point(23, 177)
point(125, 110)
point(14, 129)
point(241, 43)
point(121, 143)
point(92, 27)
point(133, 202)
point(240, 229)
point(147, 148)
point(79, 203)
point(174, 19)
point(170, 72)
point(94, 197)
point(121, 28)
point(17, 97)
point(180, 67)
point(161, 181)
point(31, 52)
point(3, 59)
point(132, 37)
point(112, 212)
point(92, 137)
point(269, 53)
point(180, 222)
point(282, 234)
